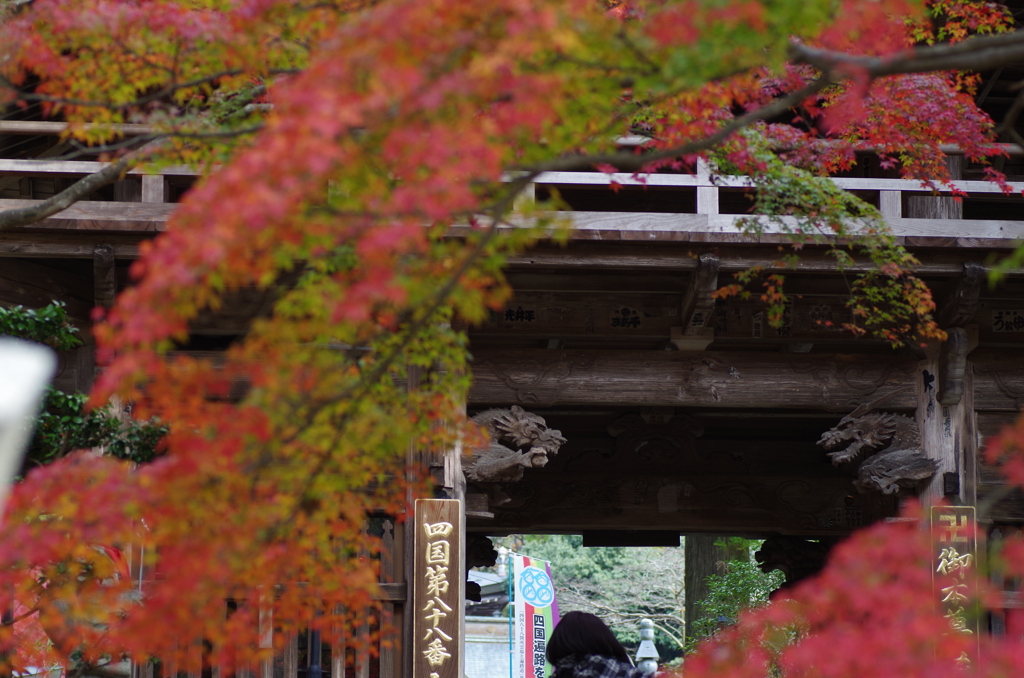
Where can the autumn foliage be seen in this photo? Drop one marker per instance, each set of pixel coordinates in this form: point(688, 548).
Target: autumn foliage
point(363, 160)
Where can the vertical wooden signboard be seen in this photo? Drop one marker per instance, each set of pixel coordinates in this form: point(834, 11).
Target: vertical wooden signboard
point(437, 590)
point(954, 535)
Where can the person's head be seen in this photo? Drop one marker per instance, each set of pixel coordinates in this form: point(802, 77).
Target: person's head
point(580, 634)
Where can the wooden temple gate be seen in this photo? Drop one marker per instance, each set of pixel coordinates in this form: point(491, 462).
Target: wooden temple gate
point(651, 410)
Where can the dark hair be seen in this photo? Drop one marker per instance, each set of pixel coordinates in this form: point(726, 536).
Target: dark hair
point(580, 634)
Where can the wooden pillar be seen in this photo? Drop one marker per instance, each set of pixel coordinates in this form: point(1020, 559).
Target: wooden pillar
point(948, 432)
point(707, 192)
point(153, 188)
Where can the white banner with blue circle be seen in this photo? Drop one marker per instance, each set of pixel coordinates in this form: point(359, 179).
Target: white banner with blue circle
point(534, 615)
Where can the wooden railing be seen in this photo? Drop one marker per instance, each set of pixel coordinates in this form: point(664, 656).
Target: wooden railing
point(700, 204)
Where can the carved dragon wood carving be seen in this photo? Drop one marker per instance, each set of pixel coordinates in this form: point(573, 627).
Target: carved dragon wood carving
point(519, 440)
point(898, 460)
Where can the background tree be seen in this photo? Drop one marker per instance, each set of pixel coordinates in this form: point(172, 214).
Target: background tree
point(736, 585)
point(621, 585)
point(346, 144)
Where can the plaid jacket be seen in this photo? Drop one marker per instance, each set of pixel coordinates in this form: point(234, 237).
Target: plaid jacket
point(595, 666)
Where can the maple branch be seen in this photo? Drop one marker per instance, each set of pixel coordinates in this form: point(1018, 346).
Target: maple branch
point(149, 98)
point(380, 368)
point(23, 616)
point(632, 161)
point(975, 54)
point(81, 150)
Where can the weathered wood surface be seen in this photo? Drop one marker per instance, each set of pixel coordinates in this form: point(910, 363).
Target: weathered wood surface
point(998, 380)
point(75, 167)
point(1005, 506)
point(734, 181)
point(711, 379)
point(104, 276)
point(670, 258)
point(560, 314)
point(697, 316)
point(948, 435)
point(34, 285)
point(585, 453)
point(68, 244)
point(154, 188)
point(725, 228)
point(939, 206)
point(45, 127)
point(963, 302)
point(91, 215)
point(571, 502)
point(657, 314)
point(651, 226)
point(722, 379)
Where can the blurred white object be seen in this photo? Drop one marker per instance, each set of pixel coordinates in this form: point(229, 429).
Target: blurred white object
point(25, 370)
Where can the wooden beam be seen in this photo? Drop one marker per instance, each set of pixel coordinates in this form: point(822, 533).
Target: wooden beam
point(712, 379)
point(718, 379)
point(571, 314)
point(725, 227)
point(97, 215)
point(672, 258)
point(46, 127)
point(739, 181)
point(581, 281)
point(614, 226)
point(24, 246)
point(78, 167)
point(809, 318)
point(570, 502)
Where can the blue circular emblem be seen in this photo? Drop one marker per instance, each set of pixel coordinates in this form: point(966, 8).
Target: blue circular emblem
point(536, 588)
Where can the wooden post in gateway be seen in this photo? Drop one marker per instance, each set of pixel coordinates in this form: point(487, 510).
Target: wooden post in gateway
point(437, 590)
point(948, 432)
